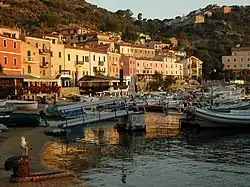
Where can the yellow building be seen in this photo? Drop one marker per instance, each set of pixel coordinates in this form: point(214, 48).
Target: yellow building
point(77, 62)
point(199, 19)
point(30, 63)
point(44, 48)
point(57, 54)
point(136, 50)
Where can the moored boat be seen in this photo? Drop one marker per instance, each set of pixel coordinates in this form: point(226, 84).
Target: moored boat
point(36, 177)
point(228, 108)
point(24, 105)
point(2, 103)
point(210, 119)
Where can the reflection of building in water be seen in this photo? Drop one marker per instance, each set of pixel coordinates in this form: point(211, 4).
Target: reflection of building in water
point(101, 136)
point(161, 126)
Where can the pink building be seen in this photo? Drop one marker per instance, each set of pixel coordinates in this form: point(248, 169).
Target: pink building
point(114, 64)
point(129, 65)
point(146, 66)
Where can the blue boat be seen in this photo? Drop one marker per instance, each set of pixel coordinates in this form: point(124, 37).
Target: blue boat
point(21, 119)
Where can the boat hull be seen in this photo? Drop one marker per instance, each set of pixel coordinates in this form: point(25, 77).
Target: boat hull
point(208, 119)
point(2, 103)
point(36, 177)
point(21, 119)
point(24, 105)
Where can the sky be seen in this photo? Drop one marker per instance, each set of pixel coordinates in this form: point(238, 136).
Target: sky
point(162, 9)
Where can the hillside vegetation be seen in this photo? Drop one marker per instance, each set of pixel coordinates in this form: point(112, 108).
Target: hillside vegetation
point(208, 41)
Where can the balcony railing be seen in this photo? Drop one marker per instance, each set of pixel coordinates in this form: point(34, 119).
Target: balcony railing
point(29, 59)
point(44, 64)
point(44, 51)
point(101, 63)
point(79, 62)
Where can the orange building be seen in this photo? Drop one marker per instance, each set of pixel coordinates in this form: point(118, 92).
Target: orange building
point(10, 55)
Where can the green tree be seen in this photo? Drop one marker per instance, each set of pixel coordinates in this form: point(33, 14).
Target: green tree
point(139, 16)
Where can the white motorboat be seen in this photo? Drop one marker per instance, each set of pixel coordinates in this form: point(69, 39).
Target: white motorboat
point(24, 105)
point(210, 119)
point(2, 102)
point(3, 128)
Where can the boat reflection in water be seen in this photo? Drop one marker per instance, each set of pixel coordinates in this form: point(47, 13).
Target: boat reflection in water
point(85, 147)
point(160, 157)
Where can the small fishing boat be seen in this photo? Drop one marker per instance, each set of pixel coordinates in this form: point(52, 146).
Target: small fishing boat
point(228, 108)
point(21, 119)
point(210, 119)
point(2, 102)
point(24, 105)
point(41, 176)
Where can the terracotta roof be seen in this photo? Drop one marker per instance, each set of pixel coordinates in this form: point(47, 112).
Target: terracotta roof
point(9, 37)
point(135, 46)
point(86, 49)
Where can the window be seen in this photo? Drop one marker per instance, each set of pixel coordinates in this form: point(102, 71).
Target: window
point(37, 45)
point(83, 58)
point(29, 69)
point(68, 57)
point(248, 65)
point(86, 59)
point(234, 60)
point(4, 43)
point(93, 57)
point(76, 58)
point(43, 60)
point(60, 54)
point(241, 60)
point(228, 66)
point(14, 44)
point(5, 59)
point(53, 41)
point(99, 59)
point(235, 66)
point(60, 68)
point(14, 61)
point(248, 59)
point(104, 59)
point(44, 73)
point(51, 53)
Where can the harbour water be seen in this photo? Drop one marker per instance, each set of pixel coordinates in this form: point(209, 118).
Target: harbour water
point(164, 156)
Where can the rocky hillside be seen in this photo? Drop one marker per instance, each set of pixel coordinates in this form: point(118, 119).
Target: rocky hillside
point(208, 41)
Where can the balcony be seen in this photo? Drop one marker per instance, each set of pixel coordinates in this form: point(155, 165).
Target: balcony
point(29, 60)
point(44, 64)
point(44, 51)
point(101, 63)
point(79, 62)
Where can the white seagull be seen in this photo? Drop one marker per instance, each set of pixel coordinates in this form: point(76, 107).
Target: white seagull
point(25, 145)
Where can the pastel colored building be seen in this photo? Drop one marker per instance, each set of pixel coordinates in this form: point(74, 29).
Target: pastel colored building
point(239, 59)
point(227, 9)
point(9, 32)
point(98, 62)
point(171, 66)
point(199, 19)
point(114, 64)
point(135, 50)
point(129, 65)
point(10, 55)
point(157, 45)
point(44, 49)
point(77, 62)
point(149, 67)
point(57, 54)
point(30, 60)
point(192, 67)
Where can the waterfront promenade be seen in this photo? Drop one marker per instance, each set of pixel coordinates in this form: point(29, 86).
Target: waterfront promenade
point(10, 146)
